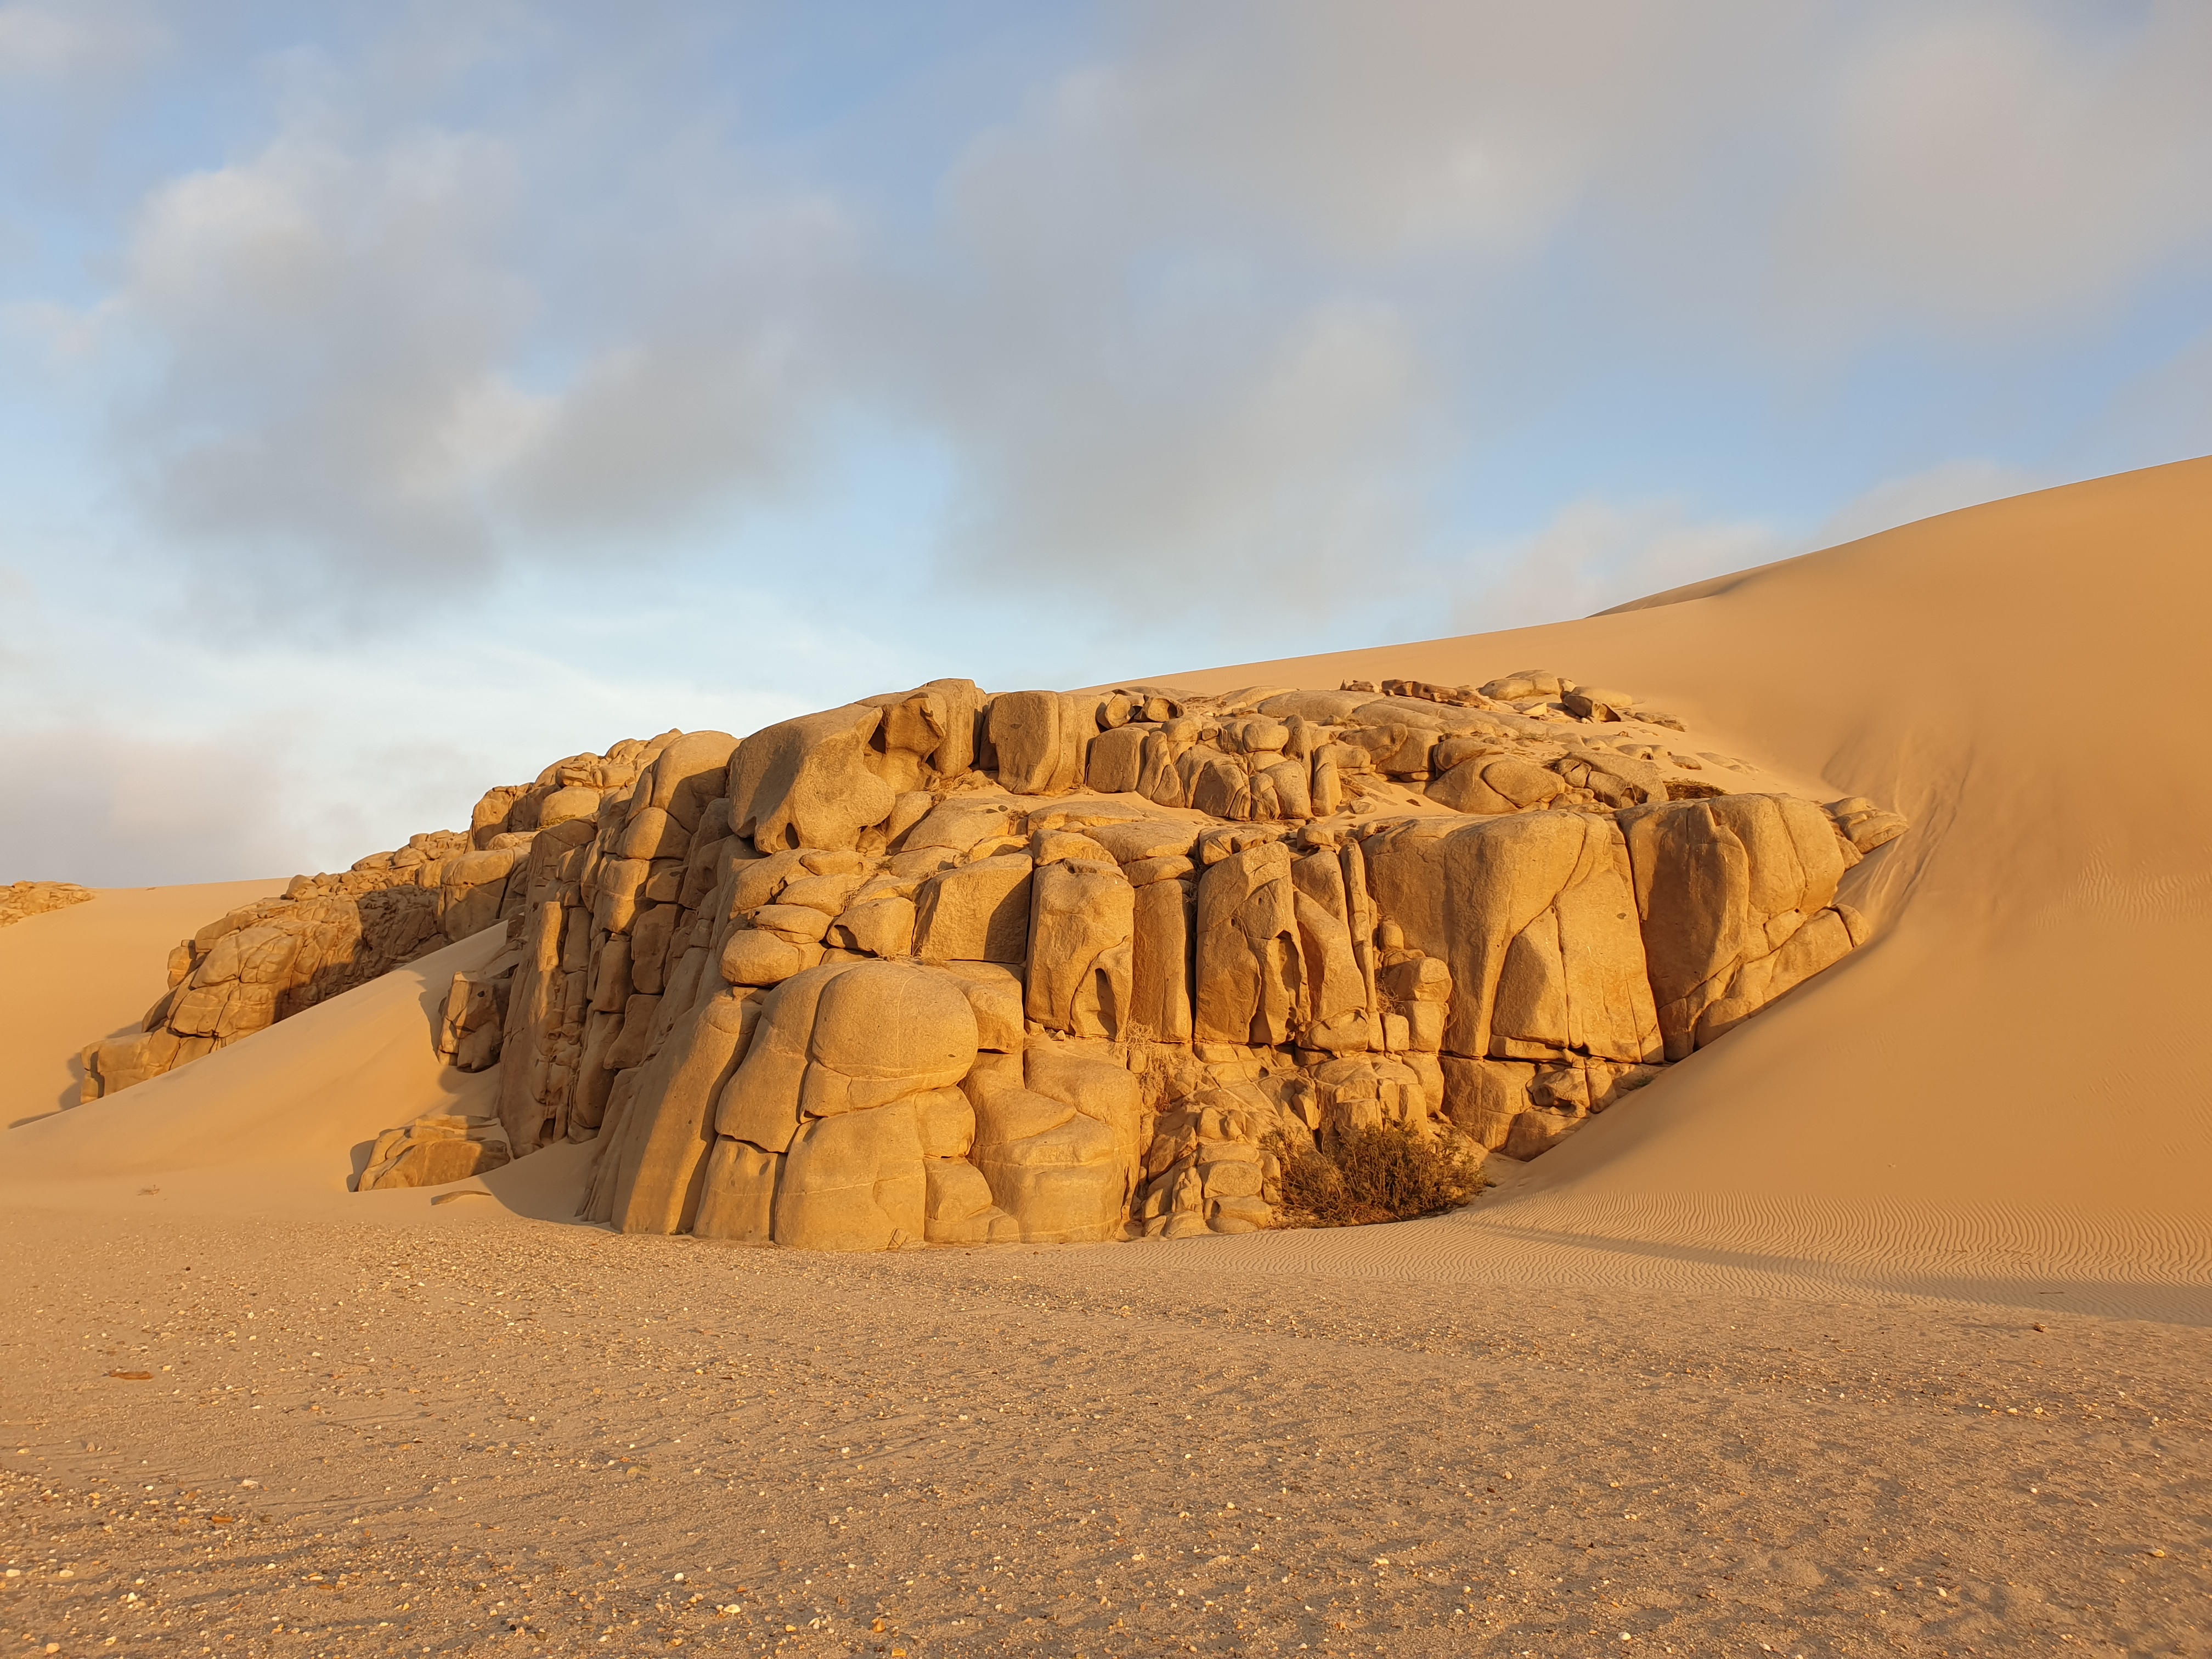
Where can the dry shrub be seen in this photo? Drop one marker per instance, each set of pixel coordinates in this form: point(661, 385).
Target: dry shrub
point(1393, 1173)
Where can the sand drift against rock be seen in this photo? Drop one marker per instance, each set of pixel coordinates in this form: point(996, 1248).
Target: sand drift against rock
point(947, 967)
point(34, 898)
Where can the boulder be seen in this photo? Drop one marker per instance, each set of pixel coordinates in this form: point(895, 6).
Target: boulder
point(469, 1033)
point(575, 803)
point(668, 1135)
point(963, 823)
point(879, 927)
point(958, 1209)
point(947, 1123)
point(760, 1102)
point(1058, 1171)
point(995, 994)
point(1160, 957)
point(737, 1195)
point(1483, 1097)
point(1250, 972)
point(20, 899)
point(1525, 785)
point(1079, 913)
point(1114, 762)
point(1534, 917)
point(635, 1036)
point(120, 1062)
point(1864, 824)
point(1096, 1087)
point(1137, 839)
point(1722, 884)
point(1464, 789)
point(692, 772)
point(1593, 703)
point(932, 728)
point(752, 956)
point(979, 912)
point(884, 1032)
point(648, 945)
point(809, 781)
point(1040, 737)
point(854, 1182)
point(526, 1032)
point(795, 924)
point(830, 893)
point(1536, 1131)
point(878, 1044)
point(434, 1150)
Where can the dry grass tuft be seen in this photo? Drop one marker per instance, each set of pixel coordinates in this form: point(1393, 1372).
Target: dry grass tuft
point(1389, 1174)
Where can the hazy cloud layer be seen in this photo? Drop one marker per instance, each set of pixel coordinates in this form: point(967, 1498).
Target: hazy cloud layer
point(544, 355)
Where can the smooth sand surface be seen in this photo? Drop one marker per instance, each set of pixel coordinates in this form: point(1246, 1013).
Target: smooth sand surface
point(73, 976)
point(1878, 1327)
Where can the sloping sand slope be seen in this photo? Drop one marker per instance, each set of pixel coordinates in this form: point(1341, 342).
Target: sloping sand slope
point(277, 1121)
point(2010, 1072)
point(71, 976)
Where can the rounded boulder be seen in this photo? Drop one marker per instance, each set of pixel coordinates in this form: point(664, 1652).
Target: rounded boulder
point(893, 1019)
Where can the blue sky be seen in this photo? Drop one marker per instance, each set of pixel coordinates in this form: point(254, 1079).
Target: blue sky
point(396, 398)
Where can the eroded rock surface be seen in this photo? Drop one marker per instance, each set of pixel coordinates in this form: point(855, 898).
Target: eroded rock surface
point(945, 966)
point(20, 899)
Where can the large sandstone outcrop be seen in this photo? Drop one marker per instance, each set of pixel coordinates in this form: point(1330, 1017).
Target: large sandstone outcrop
point(942, 967)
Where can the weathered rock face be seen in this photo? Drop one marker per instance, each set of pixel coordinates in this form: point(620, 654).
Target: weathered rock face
point(34, 898)
point(432, 1151)
point(1735, 901)
point(329, 933)
point(939, 967)
point(264, 960)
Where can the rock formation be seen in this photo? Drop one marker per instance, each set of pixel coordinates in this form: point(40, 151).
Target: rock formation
point(946, 967)
point(32, 898)
point(432, 1151)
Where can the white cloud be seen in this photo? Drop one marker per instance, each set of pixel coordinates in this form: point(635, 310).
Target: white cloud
point(494, 380)
point(1255, 475)
point(49, 42)
point(1987, 167)
point(1946, 488)
point(1595, 554)
point(1219, 299)
point(326, 334)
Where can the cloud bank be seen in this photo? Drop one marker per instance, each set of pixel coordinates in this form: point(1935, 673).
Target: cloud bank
point(717, 352)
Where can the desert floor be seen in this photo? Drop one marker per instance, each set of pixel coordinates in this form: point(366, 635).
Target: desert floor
point(291, 1436)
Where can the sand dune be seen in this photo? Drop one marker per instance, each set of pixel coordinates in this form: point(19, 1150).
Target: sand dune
point(70, 976)
point(1986, 1086)
point(276, 1122)
point(1989, 1078)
